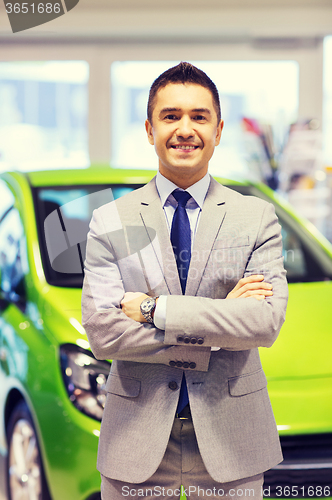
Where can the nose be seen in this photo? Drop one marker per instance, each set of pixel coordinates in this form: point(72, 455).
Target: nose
point(185, 129)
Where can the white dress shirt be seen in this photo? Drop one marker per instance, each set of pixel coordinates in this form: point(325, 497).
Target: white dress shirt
point(194, 206)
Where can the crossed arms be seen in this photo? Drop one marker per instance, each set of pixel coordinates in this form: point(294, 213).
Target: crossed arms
point(253, 286)
point(116, 329)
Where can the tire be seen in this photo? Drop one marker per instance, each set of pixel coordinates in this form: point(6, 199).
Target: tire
point(25, 473)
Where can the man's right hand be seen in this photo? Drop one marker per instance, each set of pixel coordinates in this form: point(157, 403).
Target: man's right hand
point(252, 286)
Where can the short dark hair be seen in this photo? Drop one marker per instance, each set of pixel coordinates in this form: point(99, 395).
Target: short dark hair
point(183, 72)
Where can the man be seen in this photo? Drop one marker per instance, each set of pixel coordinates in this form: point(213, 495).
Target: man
point(184, 281)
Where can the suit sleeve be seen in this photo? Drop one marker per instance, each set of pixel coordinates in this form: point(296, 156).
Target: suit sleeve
point(242, 323)
point(111, 334)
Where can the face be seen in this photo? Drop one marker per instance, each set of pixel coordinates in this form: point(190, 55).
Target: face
point(184, 132)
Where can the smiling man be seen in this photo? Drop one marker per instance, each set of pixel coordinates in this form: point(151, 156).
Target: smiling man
point(184, 135)
point(184, 281)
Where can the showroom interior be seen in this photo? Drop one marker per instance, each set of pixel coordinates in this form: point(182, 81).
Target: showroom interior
point(73, 94)
point(272, 65)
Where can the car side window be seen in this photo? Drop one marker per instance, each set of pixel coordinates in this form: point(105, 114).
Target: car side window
point(303, 261)
point(7, 199)
point(12, 240)
point(294, 258)
point(304, 258)
point(12, 247)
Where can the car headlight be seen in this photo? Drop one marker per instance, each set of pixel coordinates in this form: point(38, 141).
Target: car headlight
point(85, 378)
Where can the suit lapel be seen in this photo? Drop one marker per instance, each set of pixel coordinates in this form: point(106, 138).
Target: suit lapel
point(154, 221)
point(211, 219)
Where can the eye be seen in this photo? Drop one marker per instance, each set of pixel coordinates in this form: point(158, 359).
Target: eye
point(170, 117)
point(200, 118)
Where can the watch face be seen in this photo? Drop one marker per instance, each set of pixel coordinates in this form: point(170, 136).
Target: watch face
point(147, 304)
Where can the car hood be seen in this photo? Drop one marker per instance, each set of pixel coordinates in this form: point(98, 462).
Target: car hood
point(301, 350)
point(62, 316)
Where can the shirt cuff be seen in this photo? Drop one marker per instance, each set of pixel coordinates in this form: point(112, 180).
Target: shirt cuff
point(159, 317)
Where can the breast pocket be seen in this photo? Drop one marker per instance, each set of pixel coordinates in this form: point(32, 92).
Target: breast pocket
point(229, 258)
point(238, 241)
point(247, 384)
point(123, 386)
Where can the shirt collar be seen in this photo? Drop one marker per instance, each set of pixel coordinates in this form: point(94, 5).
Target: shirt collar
point(198, 190)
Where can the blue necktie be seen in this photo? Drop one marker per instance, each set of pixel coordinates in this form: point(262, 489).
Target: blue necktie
point(181, 237)
point(181, 242)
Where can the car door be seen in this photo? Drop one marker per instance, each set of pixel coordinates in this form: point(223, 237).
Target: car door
point(11, 273)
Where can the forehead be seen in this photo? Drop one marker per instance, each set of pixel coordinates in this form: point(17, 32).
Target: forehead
point(183, 96)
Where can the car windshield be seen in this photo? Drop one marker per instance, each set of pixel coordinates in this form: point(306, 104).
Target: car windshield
point(64, 213)
point(305, 259)
point(63, 217)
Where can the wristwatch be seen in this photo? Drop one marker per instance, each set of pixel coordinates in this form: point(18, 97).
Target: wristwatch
point(147, 307)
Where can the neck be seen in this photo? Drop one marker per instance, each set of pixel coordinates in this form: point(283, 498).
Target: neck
point(182, 181)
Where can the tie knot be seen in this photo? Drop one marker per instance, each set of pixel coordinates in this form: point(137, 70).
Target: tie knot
point(181, 197)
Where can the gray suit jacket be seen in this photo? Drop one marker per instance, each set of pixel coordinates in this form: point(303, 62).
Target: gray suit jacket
point(129, 249)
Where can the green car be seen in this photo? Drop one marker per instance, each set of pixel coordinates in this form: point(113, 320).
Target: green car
point(52, 389)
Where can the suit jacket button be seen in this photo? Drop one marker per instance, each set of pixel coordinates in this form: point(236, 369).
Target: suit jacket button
point(192, 365)
point(180, 338)
point(186, 340)
point(179, 364)
point(173, 385)
point(186, 364)
point(193, 340)
point(172, 363)
point(200, 341)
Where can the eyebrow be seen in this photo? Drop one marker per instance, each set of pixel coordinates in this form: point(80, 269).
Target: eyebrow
point(169, 110)
point(202, 110)
point(195, 110)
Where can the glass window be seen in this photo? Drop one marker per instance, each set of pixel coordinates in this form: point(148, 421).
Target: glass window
point(294, 259)
point(327, 108)
point(13, 259)
point(304, 258)
point(7, 199)
point(43, 120)
point(263, 90)
point(63, 217)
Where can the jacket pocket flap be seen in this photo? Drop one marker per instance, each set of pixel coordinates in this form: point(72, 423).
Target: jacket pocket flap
point(240, 241)
point(245, 384)
point(123, 386)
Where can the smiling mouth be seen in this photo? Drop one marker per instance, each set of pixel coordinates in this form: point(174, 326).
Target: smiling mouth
point(184, 148)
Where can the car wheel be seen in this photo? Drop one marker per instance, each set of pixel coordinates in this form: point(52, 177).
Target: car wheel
point(25, 474)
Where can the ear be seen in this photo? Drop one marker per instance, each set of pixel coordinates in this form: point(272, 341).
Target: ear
point(219, 130)
point(149, 131)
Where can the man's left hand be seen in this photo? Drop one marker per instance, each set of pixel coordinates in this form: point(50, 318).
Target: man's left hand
point(130, 305)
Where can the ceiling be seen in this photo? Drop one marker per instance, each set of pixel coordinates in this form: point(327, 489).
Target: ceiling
point(128, 21)
point(194, 4)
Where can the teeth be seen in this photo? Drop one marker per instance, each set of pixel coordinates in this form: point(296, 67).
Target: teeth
point(185, 147)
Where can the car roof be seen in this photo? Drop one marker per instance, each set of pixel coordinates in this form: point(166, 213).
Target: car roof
point(91, 175)
point(95, 174)
point(101, 174)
